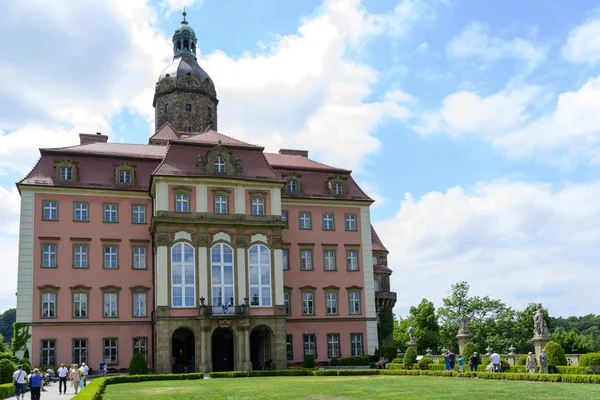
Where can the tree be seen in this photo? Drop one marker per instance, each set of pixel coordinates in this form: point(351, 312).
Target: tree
point(7, 319)
point(556, 355)
point(138, 364)
point(385, 326)
point(410, 356)
point(573, 342)
point(401, 332)
point(425, 324)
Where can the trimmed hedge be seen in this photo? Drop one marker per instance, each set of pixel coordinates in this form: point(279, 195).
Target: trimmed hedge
point(410, 356)
point(468, 351)
point(589, 359)
point(7, 369)
point(556, 355)
point(7, 390)
point(95, 388)
point(138, 364)
point(246, 374)
point(523, 359)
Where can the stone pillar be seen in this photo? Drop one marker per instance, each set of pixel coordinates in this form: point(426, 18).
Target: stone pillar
point(463, 339)
point(413, 346)
point(539, 342)
point(247, 363)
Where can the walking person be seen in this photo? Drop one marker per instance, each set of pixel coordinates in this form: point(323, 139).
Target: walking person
point(36, 382)
point(447, 360)
point(461, 364)
point(543, 362)
point(530, 363)
point(474, 362)
point(75, 377)
point(62, 379)
point(452, 358)
point(495, 359)
point(84, 373)
point(19, 382)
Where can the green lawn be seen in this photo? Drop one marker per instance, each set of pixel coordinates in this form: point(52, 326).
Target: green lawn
point(350, 387)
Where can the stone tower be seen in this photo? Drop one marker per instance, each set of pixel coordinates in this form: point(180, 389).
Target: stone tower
point(185, 95)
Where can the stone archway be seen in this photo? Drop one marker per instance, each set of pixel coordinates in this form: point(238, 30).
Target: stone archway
point(223, 350)
point(183, 351)
point(261, 344)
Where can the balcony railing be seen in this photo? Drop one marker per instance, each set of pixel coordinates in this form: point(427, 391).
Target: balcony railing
point(385, 299)
point(219, 311)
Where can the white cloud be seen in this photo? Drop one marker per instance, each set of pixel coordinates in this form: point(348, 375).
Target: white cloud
point(9, 228)
point(583, 43)
point(476, 43)
point(422, 47)
point(519, 242)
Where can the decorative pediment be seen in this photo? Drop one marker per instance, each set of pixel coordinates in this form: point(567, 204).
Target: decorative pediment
point(292, 183)
point(125, 173)
point(66, 170)
point(219, 161)
point(337, 185)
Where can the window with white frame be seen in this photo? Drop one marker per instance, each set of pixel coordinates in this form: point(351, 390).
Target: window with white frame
point(221, 204)
point(48, 305)
point(329, 260)
point(81, 212)
point(374, 260)
point(286, 259)
point(305, 220)
point(111, 257)
point(48, 354)
point(284, 217)
point(139, 304)
point(139, 214)
point(111, 305)
point(286, 303)
point(356, 343)
point(350, 222)
point(111, 350)
point(110, 213)
point(80, 305)
point(310, 345)
point(49, 255)
point(338, 188)
point(354, 298)
point(306, 260)
point(258, 206)
point(289, 347)
point(183, 277)
point(182, 202)
point(376, 284)
point(333, 345)
point(80, 351)
point(80, 256)
point(331, 302)
point(308, 303)
point(139, 258)
point(125, 176)
point(352, 260)
point(66, 173)
point(292, 186)
point(222, 277)
point(328, 222)
point(259, 275)
point(51, 210)
point(140, 345)
point(219, 164)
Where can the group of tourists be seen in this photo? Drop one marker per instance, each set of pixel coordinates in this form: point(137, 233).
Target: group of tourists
point(76, 374)
point(451, 361)
point(542, 359)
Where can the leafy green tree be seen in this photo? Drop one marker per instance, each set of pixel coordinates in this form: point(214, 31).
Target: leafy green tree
point(573, 342)
point(385, 326)
point(401, 332)
point(7, 318)
point(138, 364)
point(425, 324)
point(410, 356)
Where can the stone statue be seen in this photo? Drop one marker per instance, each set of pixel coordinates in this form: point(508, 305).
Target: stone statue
point(411, 334)
point(239, 170)
point(463, 324)
point(200, 163)
point(539, 324)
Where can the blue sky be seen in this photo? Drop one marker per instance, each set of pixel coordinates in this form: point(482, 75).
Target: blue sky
point(475, 125)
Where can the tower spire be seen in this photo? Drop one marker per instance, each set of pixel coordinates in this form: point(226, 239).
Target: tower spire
point(184, 22)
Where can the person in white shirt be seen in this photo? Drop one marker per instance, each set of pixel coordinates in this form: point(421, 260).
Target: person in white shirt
point(495, 359)
point(84, 373)
point(19, 382)
point(62, 379)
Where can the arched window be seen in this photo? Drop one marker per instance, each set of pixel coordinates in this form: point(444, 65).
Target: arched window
point(179, 45)
point(185, 44)
point(221, 263)
point(259, 275)
point(219, 164)
point(183, 278)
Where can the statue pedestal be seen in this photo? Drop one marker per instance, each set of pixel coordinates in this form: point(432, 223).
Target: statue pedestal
point(413, 346)
point(463, 339)
point(539, 342)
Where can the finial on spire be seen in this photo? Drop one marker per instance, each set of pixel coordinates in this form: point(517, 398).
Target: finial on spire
point(184, 22)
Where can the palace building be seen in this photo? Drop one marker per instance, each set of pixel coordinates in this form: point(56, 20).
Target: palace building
point(203, 252)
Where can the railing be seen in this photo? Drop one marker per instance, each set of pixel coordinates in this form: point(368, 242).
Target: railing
point(385, 299)
point(218, 311)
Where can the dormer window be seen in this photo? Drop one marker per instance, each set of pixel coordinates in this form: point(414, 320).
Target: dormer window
point(219, 164)
point(292, 186)
point(338, 189)
point(125, 177)
point(125, 173)
point(292, 183)
point(66, 170)
point(66, 173)
point(337, 185)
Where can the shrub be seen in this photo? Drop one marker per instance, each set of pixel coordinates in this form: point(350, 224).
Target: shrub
point(410, 356)
point(7, 369)
point(9, 356)
point(335, 362)
point(487, 361)
point(441, 361)
point(26, 353)
point(309, 361)
point(468, 351)
point(397, 360)
point(389, 352)
point(426, 360)
point(373, 358)
point(589, 359)
point(556, 355)
point(522, 359)
point(138, 365)
point(7, 390)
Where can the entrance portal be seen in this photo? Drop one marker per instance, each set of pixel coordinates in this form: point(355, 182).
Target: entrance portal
point(183, 351)
point(260, 348)
point(222, 350)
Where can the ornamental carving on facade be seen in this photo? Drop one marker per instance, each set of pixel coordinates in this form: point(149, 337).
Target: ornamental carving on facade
point(224, 323)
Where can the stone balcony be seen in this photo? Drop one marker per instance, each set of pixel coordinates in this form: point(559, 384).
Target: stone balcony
point(385, 300)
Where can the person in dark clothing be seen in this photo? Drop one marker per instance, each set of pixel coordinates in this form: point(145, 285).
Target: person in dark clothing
point(452, 359)
point(474, 362)
point(35, 384)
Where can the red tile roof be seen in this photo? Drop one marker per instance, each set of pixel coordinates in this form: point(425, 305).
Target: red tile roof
point(212, 137)
point(112, 150)
point(298, 162)
point(166, 132)
point(377, 244)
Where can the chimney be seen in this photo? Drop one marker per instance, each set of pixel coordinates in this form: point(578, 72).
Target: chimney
point(303, 153)
point(87, 138)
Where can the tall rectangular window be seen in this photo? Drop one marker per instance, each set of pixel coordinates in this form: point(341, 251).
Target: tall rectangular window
point(356, 342)
point(139, 258)
point(110, 350)
point(332, 303)
point(308, 303)
point(139, 304)
point(49, 255)
point(80, 256)
point(81, 212)
point(259, 275)
point(48, 354)
point(140, 345)
point(110, 305)
point(182, 202)
point(258, 206)
point(111, 257)
point(350, 222)
point(80, 305)
point(66, 173)
point(333, 345)
point(354, 298)
point(110, 213)
point(80, 351)
point(221, 204)
point(183, 276)
point(139, 214)
point(306, 260)
point(286, 259)
point(376, 285)
point(292, 186)
point(51, 210)
point(286, 303)
point(289, 347)
point(310, 345)
point(338, 189)
point(352, 260)
point(328, 222)
point(48, 305)
point(188, 107)
point(305, 220)
point(329, 260)
point(284, 217)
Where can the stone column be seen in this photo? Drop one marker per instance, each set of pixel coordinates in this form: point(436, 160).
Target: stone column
point(539, 342)
point(463, 339)
point(247, 362)
point(413, 346)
